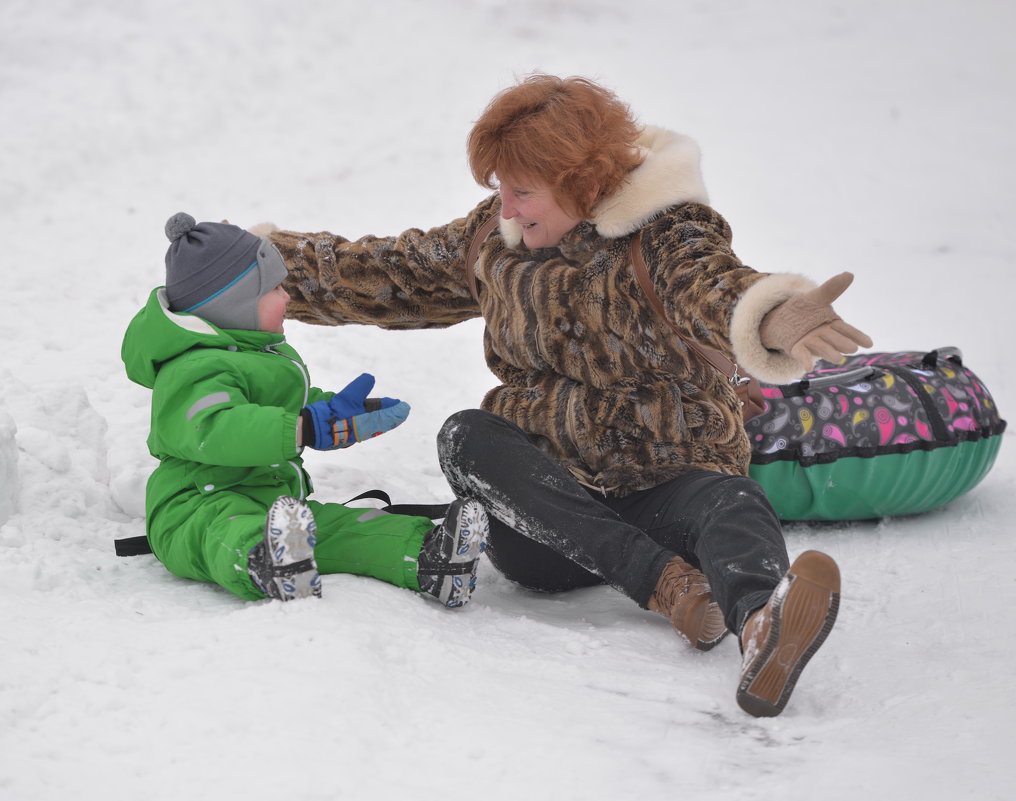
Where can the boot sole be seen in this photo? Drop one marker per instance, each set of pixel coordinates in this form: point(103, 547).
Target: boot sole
point(803, 611)
point(471, 529)
point(712, 629)
point(705, 627)
point(290, 536)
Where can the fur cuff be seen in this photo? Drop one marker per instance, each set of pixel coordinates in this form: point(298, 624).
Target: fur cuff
point(768, 366)
point(263, 229)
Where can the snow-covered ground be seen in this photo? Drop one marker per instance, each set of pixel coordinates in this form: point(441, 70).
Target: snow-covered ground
point(872, 135)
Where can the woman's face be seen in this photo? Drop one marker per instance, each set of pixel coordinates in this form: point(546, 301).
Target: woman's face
point(533, 207)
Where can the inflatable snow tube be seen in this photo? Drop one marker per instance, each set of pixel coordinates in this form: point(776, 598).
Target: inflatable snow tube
point(883, 434)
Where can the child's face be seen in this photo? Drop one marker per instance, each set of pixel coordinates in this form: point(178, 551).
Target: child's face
point(272, 310)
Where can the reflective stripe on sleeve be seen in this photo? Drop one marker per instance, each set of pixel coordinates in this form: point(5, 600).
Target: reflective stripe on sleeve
point(207, 401)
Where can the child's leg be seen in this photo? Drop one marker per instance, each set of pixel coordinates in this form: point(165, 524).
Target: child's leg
point(369, 542)
point(212, 540)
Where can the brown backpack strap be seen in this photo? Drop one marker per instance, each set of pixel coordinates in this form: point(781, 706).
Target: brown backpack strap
point(474, 250)
point(711, 355)
point(748, 391)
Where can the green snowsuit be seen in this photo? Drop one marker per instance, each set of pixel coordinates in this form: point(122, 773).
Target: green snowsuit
point(225, 405)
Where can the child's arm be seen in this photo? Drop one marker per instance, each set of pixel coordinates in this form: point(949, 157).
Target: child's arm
point(203, 411)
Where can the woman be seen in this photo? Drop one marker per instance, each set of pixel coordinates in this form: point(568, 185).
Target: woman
point(610, 452)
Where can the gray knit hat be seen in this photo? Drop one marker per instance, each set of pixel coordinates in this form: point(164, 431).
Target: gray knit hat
point(219, 271)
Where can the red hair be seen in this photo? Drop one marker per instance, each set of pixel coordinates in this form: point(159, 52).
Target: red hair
point(569, 134)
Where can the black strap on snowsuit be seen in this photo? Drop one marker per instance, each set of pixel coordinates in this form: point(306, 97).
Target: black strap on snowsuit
point(138, 546)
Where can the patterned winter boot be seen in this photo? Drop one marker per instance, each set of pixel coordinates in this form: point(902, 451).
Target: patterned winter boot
point(682, 594)
point(451, 552)
point(778, 640)
point(282, 565)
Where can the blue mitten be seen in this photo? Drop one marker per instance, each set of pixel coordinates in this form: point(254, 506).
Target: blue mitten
point(350, 416)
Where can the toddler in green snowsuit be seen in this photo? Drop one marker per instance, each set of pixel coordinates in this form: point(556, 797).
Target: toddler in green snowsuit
point(232, 409)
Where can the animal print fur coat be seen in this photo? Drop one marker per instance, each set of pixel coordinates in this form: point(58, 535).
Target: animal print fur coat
point(587, 369)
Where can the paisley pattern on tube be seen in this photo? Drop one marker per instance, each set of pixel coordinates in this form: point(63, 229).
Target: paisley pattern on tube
point(872, 404)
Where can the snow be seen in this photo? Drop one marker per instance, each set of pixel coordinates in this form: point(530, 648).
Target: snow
point(868, 136)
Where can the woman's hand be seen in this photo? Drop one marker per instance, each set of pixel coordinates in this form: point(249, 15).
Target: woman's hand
point(807, 327)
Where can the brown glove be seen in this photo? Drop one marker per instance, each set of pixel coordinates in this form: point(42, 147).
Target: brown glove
point(806, 327)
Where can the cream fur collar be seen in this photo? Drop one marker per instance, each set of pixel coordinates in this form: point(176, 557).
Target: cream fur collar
point(669, 174)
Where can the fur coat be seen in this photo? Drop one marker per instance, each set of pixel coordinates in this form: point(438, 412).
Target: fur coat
point(586, 368)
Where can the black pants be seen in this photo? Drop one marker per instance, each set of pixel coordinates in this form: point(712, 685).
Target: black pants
point(550, 533)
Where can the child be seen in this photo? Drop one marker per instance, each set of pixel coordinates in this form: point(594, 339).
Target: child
point(232, 408)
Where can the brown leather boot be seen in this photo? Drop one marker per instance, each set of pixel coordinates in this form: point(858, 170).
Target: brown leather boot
point(682, 594)
point(778, 640)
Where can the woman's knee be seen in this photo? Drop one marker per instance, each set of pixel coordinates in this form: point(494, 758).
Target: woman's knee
point(745, 488)
point(753, 499)
point(470, 431)
point(740, 501)
point(720, 489)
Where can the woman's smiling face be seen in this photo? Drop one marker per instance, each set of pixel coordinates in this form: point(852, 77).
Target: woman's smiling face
point(534, 207)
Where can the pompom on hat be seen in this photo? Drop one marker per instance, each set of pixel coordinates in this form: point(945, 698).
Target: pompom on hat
point(219, 271)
